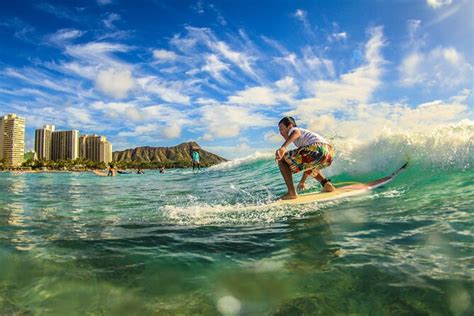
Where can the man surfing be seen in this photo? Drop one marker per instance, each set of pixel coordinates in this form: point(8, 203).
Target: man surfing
point(312, 154)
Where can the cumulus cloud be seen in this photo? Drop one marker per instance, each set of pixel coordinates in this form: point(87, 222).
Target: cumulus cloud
point(157, 120)
point(367, 121)
point(282, 92)
point(440, 67)
point(158, 131)
point(273, 137)
point(119, 110)
point(115, 83)
point(224, 121)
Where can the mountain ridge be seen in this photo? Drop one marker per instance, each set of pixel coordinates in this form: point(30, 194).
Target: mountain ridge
point(179, 154)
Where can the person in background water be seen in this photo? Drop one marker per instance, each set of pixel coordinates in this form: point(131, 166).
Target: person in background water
point(140, 171)
point(196, 161)
point(162, 169)
point(111, 172)
point(312, 154)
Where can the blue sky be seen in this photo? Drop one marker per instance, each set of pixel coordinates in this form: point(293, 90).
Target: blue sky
point(223, 73)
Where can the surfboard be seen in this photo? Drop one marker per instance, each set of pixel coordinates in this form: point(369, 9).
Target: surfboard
point(99, 173)
point(341, 192)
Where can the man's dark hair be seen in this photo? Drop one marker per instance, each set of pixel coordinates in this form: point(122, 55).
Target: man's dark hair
point(287, 120)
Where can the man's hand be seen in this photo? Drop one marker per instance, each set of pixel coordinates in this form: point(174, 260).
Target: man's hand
point(301, 186)
point(280, 153)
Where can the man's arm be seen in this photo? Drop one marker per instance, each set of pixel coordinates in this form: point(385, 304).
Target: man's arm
point(281, 151)
point(301, 185)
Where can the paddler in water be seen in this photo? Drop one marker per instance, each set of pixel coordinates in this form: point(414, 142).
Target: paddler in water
point(111, 172)
point(312, 154)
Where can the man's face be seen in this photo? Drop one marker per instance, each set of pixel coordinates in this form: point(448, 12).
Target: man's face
point(284, 130)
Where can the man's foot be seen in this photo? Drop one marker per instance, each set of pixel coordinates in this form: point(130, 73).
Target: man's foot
point(328, 187)
point(288, 196)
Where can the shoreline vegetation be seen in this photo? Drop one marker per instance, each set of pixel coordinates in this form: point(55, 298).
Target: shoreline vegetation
point(82, 165)
point(146, 158)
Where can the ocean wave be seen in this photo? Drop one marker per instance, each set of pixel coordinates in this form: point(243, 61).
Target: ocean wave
point(447, 147)
point(258, 156)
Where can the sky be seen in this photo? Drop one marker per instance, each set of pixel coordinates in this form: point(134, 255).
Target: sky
point(223, 73)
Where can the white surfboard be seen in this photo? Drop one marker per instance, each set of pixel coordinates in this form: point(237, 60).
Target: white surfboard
point(341, 192)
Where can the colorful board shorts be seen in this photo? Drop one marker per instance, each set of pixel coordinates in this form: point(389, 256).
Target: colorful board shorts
point(310, 158)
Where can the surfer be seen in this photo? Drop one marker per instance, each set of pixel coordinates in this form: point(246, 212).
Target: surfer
point(312, 154)
point(111, 172)
point(196, 158)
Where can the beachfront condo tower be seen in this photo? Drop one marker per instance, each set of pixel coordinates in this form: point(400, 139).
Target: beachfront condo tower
point(43, 142)
point(95, 148)
point(12, 139)
point(65, 145)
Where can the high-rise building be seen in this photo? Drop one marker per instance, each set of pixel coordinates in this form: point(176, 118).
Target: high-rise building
point(43, 142)
point(95, 148)
point(12, 139)
point(65, 145)
point(105, 151)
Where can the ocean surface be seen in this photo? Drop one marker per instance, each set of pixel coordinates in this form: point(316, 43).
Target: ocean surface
point(207, 243)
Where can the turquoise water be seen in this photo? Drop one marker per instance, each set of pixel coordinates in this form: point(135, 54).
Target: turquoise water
point(205, 243)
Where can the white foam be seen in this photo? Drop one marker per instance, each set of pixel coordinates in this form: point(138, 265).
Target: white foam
point(243, 161)
point(451, 146)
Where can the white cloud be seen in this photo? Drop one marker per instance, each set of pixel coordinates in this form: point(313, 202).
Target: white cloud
point(438, 3)
point(255, 96)
point(109, 21)
point(40, 79)
point(198, 39)
point(273, 137)
point(156, 120)
point(78, 115)
point(242, 149)
point(119, 110)
point(337, 36)
point(155, 130)
point(215, 67)
point(300, 15)
point(169, 91)
point(283, 92)
point(370, 121)
point(65, 35)
point(352, 88)
point(164, 55)
point(115, 83)
point(223, 121)
point(440, 67)
point(98, 54)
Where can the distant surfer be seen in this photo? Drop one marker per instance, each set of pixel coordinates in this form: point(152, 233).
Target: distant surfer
point(162, 169)
point(140, 171)
point(196, 160)
point(111, 172)
point(312, 154)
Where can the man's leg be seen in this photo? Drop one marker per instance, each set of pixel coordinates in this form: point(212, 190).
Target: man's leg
point(288, 177)
point(328, 186)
